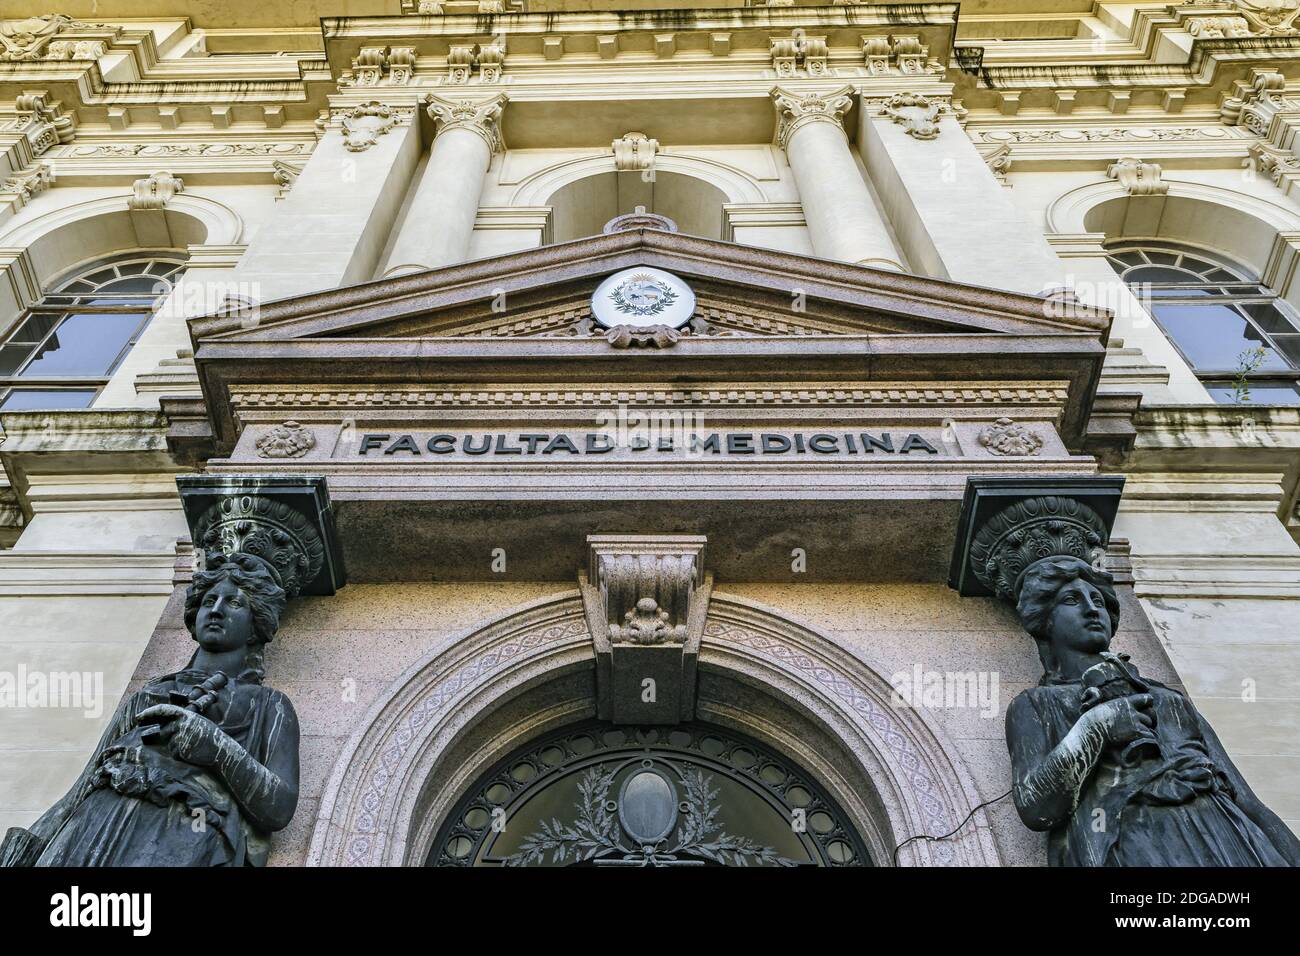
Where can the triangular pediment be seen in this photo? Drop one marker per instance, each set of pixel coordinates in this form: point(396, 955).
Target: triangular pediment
point(741, 291)
point(761, 316)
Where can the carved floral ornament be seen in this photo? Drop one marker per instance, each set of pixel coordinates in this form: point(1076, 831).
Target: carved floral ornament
point(289, 440)
point(1006, 437)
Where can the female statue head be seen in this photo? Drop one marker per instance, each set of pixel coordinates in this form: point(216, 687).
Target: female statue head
point(234, 601)
point(1069, 608)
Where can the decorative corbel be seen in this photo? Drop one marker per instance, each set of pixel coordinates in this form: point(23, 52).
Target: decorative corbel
point(154, 191)
point(634, 152)
point(1137, 178)
point(646, 598)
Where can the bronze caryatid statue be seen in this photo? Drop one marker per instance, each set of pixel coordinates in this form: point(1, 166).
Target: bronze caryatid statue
point(1118, 768)
point(199, 767)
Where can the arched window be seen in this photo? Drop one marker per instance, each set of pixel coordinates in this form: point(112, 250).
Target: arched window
point(597, 794)
point(1242, 341)
point(65, 348)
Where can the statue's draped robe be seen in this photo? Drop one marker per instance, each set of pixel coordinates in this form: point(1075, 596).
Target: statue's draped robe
point(137, 805)
point(1177, 809)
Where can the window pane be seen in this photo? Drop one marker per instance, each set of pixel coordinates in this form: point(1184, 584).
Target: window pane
point(1215, 336)
point(137, 284)
point(84, 345)
point(34, 329)
point(1269, 317)
point(28, 398)
point(1176, 292)
point(12, 358)
point(1261, 393)
point(1290, 346)
point(1163, 258)
point(1160, 274)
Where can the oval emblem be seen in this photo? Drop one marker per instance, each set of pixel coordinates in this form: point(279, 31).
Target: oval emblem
point(642, 298)
point(647, 807)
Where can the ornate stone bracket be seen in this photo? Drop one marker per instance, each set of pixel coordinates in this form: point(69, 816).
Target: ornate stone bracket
point(1137, 177)
point(634, 152)
point(286, 521)
point(1009, 523)
point(646, 598)
point(155, 191)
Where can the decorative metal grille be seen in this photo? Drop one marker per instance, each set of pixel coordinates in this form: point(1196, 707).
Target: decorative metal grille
point(603, 795)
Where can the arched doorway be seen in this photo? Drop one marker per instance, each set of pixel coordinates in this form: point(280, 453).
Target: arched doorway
point(495, 688)
point(693, 794)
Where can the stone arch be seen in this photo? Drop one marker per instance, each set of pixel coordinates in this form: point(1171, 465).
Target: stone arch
point(529, 672)
point(586, 193)
point(1237, 226)
point(63, 240)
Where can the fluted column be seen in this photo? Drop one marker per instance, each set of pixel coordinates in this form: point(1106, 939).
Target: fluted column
point(842, 216)
point(440, 220)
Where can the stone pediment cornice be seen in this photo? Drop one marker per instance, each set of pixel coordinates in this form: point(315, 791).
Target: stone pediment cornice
point(811, 321)
point(564, 273)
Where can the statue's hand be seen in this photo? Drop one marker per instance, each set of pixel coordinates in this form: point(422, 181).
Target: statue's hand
point(187, 734)
point(1123, 719)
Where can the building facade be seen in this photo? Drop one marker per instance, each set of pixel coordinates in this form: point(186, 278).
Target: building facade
point(539, 311)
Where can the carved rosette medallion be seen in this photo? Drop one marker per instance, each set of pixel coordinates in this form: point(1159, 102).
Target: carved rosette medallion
point(289, 440)
point(1006, 437)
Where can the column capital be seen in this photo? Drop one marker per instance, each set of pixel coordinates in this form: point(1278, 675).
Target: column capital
point(796, 110)
point(481, 116)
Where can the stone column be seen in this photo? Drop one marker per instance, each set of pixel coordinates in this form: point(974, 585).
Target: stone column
point(951, 215)
point(439, 221)
point(843, 220)
point(331, 229)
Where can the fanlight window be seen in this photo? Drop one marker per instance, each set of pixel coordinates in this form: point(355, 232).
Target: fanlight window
point(66, 347)
point(690, 795)
point(1242, 341)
